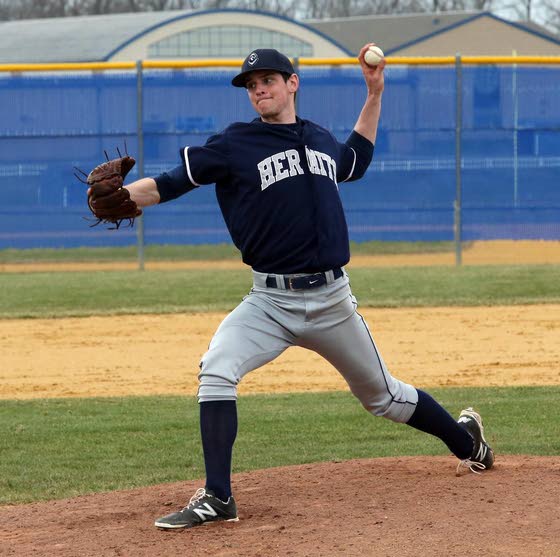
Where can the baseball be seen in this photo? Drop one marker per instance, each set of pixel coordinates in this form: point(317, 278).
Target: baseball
point(373, 56)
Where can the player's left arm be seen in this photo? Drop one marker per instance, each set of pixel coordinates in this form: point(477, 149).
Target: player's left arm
point(144, 192)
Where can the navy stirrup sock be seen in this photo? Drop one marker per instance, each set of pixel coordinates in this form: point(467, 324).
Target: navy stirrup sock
point(218, 428)
point(430, 417)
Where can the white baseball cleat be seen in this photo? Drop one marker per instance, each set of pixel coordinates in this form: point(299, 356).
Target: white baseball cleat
point(482, 457)
point(203, 508)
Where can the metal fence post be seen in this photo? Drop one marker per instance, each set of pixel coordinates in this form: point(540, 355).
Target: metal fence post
point(140, 158)
point(458, 193)
point(515, 94)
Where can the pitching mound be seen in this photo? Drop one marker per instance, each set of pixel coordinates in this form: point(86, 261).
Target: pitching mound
point(402, 506)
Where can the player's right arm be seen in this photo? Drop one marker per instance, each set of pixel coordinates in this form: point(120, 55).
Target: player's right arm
point(368, 120)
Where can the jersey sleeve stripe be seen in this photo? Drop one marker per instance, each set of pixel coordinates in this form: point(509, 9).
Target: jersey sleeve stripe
point(353, 166)
point(188, 166)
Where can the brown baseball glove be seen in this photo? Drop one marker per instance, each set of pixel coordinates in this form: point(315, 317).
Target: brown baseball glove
point(108, 200)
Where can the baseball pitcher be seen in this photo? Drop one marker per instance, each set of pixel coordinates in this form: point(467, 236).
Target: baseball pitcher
point(277, 183)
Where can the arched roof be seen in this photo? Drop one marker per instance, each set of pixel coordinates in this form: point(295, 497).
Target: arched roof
point(395, 33)
point(127, 36)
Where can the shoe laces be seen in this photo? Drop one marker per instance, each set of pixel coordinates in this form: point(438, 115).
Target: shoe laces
point(200, 494)
point(469, 412)
point(472, 465)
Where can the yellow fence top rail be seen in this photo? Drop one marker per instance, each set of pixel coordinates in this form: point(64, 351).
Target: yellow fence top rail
point(67, 66)
point(236, 63)
point(510, 60)
point(437, 60)
point(163, 64)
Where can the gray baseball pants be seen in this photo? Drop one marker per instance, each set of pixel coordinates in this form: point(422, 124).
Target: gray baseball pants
point(322, 319)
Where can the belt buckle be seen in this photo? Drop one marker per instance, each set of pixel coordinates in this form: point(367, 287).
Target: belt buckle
point(306, 281)
point(290, 285)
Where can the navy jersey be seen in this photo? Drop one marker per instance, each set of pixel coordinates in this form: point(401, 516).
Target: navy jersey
point(277, 187)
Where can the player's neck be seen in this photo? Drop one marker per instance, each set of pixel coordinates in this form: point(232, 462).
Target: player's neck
point(284, 117)
point(278, 120)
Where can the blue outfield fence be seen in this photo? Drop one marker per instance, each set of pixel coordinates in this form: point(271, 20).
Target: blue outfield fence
point(510, 150)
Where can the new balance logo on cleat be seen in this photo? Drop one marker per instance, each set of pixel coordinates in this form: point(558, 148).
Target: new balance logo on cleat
point(204, 513)
point(203, 508)
point(482, 457)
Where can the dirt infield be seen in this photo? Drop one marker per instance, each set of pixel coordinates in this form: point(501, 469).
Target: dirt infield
point(159, 354)
point(499, 252)
point(381, 507)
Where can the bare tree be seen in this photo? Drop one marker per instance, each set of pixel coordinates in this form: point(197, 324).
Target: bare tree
point(160, 5)
point(97, 7)
point(300, 9)
point(320, 9)
point(24, 9)
point(457, 5)
point(551, 15)
point(280, 7)
point(312, 9)
point(523, 9)
point(4, 9)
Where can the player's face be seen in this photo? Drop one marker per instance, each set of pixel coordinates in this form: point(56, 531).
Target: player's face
point(272, 97)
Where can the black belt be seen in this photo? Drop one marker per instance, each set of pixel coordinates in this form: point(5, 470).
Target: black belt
point(302, 283)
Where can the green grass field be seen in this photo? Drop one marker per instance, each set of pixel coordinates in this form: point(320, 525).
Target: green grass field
point(196, 252)
point(59, 448)
point(105, 292)
point(66, 447)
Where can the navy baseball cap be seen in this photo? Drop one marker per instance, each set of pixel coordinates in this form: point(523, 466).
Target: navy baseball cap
point(263, 59)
